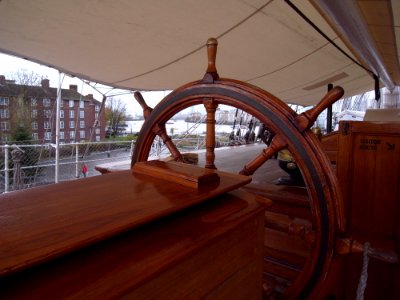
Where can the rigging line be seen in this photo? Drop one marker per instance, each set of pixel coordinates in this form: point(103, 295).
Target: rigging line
point(109, 89)
point(312, 24)
point(121, 94)
point(94, 87)
point(198, 48)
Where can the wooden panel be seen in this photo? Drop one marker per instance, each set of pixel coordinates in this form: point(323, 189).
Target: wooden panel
point(368, 169)
point(211, 250)
point(292, 201)
point(205, 273)
point(369, 173)
point(296, 261)
point(288, 243)
point(45, 222)
point(329, 143)
point(280, 269)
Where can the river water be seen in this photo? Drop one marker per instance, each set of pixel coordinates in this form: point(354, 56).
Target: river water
point(181, 126)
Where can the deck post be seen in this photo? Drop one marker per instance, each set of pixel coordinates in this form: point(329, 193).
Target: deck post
point(6, 169)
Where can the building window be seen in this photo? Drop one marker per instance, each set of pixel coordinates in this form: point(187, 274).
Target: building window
point(97, 108)
point(72, 134)
point(61, 124)
point(34, 113)
point(33, 102)
point(47, 135)
point(34, 125)
point(82, 134)
point(35, 136)
point(4, 113)
point(4, 125)
point(82, 104)
point(81, 124)
point(61, 135)
point(71, 103)
point(4, 101)
point(71, 124)
point(61, 114)
point(47, 113)
point(71, 114)
point(97, 138)
point(46, 102)
point(46, 125)
point(97, 130)
point(62, 103)
point(82, 114)
point(96, 116)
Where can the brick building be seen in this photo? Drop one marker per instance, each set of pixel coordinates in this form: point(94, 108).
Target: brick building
point(35, 108)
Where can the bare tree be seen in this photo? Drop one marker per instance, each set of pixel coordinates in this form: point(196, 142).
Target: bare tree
point(115, 111)
point(27, 78)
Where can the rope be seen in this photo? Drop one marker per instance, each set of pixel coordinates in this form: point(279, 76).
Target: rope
point(362, 284)
point(312, 24)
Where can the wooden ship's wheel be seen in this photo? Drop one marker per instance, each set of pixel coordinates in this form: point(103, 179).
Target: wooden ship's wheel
point(292, 131)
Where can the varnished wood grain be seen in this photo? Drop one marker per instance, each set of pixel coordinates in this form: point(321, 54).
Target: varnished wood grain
point(329, 143)
point(368, 168)
point(180, 173)
point(209, 250)
point(45, 222)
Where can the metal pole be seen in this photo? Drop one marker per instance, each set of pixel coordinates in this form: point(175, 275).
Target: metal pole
point(131, 152)
point(76, 161)
point(6, 169)
point(329, 113)
point(57, 159)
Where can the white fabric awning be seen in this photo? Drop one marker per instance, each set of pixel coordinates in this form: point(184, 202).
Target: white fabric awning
point(157, 44)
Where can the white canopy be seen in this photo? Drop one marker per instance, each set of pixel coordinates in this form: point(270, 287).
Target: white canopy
point(158, 44)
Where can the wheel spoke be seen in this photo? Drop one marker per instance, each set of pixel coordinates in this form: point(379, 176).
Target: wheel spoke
point(160, 130)
point(146, 109)
point(285, 224)
point(211, 107)
point(277, 144)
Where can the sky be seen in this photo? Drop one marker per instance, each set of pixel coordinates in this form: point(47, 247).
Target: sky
point(11, 64)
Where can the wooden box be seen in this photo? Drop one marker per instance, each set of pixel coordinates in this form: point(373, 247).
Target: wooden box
point(368, 169)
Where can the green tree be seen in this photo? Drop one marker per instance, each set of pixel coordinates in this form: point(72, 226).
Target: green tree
point(31, 155)
point(21, 134)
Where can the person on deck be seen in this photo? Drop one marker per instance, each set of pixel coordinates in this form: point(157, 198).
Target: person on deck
point(84, 170)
